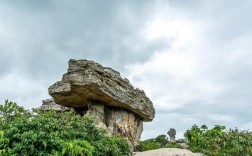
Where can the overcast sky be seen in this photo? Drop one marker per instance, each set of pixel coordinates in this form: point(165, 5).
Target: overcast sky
point(193, 58)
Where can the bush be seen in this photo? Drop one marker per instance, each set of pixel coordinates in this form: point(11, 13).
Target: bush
point(54, 133)
point(218, 141)
point(160, 141)
point(150, 144)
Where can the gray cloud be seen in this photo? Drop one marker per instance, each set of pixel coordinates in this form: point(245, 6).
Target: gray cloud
point(102, 31)
point(195, 64)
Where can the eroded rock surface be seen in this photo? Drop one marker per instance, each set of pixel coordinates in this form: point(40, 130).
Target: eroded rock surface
point(88, 81)
point(97, 110)
point(122, 122)
point(101, 92)
point(49, 104)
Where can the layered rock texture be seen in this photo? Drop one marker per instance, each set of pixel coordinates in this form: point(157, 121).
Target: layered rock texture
point(49, 104)
point(101, 92)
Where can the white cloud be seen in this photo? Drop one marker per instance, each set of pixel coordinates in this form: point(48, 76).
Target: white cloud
point(220, 118)
point(191, 72)
point(180, 31)
point(193, 59)
point(246, 126)
point(175, 75)
point(22, 89)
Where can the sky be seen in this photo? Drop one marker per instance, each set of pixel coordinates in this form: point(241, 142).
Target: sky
point(192, 58)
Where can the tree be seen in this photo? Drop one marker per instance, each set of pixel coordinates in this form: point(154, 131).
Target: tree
point(54, 133)
point(218, 141)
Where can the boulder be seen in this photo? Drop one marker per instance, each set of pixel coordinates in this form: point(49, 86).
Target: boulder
point(87, 81)
point(101, 92)
point(49, 104)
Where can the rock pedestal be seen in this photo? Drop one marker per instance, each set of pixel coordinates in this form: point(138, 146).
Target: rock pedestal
point(112, 100)
point(172, 134)
point(122, 122)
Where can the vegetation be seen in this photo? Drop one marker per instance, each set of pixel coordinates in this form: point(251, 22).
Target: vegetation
point(160, 141)
point(212, 142)
point(56, 134)
point(68, 134)
point(219, 142)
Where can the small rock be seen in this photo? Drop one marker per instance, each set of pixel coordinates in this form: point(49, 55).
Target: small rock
point(184, 145)
point(49, 104)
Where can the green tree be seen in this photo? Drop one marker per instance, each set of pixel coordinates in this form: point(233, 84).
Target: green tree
point(218, 141)
point(53, 133)
point(160, 141)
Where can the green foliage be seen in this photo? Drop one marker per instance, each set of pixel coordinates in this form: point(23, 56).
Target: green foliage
point(77, 147)
point(53, 133)
point(218, 141)
point(173, 145)
point(149, 144)
point(3, 141)
point(160, 141)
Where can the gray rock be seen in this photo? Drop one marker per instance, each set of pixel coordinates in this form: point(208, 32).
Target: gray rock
point(87, 81)
point(124, 123)
point(172, 134)
point(49, 104)
point(184, 145)
point(98, 112)
point(101, 92)
point(117, 121)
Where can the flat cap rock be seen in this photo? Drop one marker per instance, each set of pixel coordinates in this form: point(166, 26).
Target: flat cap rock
point(88, 81)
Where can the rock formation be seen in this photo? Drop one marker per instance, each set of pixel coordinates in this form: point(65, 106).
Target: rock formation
point(101, 92)
point(49, 104)
point(172, 134)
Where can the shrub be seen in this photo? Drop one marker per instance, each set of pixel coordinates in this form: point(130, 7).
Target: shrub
point(160, 141)
point(54, 133)
point(218, 141)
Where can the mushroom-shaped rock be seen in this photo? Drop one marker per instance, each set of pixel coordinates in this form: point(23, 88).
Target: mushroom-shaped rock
point(87, 81)
point(99, 91)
